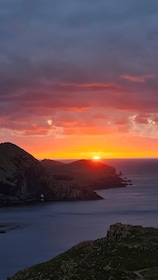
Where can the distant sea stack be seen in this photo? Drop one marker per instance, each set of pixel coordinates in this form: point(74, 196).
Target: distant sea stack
point(23, 179)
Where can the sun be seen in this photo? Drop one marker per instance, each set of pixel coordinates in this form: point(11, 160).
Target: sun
point(96, 157)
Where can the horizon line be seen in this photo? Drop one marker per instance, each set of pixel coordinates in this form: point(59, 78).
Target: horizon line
point(59, 159)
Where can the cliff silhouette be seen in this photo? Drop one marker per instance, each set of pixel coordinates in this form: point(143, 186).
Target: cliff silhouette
point(24, 179)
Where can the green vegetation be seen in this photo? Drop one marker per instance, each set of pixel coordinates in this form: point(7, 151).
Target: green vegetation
point(127, 252)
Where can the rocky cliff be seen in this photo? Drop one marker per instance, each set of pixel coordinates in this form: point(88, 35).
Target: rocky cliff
point(63, 190)
point(23, 179)
point(126, 253)
point(87, 174)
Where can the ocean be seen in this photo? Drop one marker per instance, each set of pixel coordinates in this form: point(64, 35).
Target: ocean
point(49, 229)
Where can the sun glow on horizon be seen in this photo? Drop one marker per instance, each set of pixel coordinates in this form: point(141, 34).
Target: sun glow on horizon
point(96, 157)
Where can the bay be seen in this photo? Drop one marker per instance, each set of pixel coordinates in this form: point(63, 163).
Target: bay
point(50, 229)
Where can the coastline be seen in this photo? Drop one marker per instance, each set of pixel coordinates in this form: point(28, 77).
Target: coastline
point(126, 252)
point(62, 225)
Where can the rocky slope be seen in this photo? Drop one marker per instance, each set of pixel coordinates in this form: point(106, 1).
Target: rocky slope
point(87, 174)
point(66, 191)
point(126, 253)
point(23, 179)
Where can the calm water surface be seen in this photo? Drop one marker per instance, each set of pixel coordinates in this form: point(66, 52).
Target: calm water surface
point(49, 229)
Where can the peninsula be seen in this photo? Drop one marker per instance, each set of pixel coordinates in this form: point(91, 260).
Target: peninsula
point(24, 179)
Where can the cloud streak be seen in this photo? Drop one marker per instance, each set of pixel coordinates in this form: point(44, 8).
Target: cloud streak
point(83, 68)
point(138, 79)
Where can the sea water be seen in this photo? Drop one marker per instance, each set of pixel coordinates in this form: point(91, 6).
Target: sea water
point(50, 229)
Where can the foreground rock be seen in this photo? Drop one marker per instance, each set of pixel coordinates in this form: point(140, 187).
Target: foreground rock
point(127, 252)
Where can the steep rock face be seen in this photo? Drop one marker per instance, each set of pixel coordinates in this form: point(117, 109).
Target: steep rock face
point(119, 232)
point(85, 173)
point(132, 256)
point(21, 176)
point(24, 179)
point(62, 188)
point(70, 192)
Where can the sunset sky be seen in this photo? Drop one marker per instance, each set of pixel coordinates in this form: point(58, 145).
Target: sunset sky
point(79, 78)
